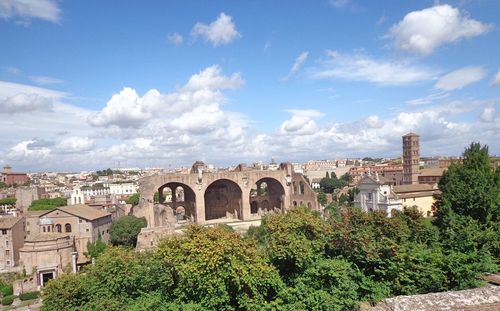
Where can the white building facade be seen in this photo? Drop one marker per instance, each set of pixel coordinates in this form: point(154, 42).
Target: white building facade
point(122, 188)
point(376, 194)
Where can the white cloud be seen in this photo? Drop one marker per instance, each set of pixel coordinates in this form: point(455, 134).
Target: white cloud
point(22, 150)
point(301, 122)
point(460, 78)
point(496, 79)
point(340, 3)
point(175, 38)
point(219, 32)
point(428, 99)
point(360, 67)
point(297, 64)
point(441, 127)
point(43, 80)
point(20, 98)
point(488, 114)
point(25, 9)
point(201, 119)
point(424, 31)
point(125, 109)
point(75, 144)
point(25, 103)
point(183, 109)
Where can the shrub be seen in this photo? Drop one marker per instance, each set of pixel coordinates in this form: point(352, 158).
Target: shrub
point(6, 290)
point(8, 300)
point(29, 295)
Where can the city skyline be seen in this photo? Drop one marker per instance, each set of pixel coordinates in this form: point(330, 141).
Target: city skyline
point(85, 85)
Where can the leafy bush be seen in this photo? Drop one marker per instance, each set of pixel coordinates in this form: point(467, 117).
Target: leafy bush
point(8, 300)
point(47, 204)
point(6, 290)
point(133, 199)
point(8, 201)
point(29, 295)
point(124, 230)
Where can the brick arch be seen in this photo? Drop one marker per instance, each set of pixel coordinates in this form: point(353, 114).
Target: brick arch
point(223, 200)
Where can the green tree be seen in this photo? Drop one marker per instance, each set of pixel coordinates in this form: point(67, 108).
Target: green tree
point(295, 240)
point(133, 199)
point(328, 185)
point(328, 284)
point(8, 201)
point(95, 249)
point(3, 185)
point(124, 230)
point(470, 189)
point(47, 204)
point(67, 292)
point(219, 270)
point(346, 179)
point(467, 209)
point(322, 200)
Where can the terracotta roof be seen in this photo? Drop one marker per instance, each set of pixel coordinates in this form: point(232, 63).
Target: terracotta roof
point(8, 222)
point(381, 180)
point(35, 213)
point(83, 211)
point(432, 171)
point(412, 188)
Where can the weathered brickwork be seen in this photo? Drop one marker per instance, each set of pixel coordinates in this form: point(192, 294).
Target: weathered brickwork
point(479, 299)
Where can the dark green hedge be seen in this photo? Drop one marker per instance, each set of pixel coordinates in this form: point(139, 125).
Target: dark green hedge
point(6, 290)
point(8, 300)
point(29, 295)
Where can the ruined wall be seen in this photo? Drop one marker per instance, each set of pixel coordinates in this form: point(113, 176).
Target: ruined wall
point(233, 202)
point(479, 299)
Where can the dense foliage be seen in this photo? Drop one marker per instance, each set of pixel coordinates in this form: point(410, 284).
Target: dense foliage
point(124, 231)
point(300, 261)
point(8, 201)
point(95, 249)
point(133, 199)
point(330, 182)
point(29, 295)
point(8, 300)
point(47, 204)
point(6, 289)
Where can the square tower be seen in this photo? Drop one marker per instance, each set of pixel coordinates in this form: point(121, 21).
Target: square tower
point(411, 158)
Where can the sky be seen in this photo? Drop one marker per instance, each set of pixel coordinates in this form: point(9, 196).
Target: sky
point(94, 84)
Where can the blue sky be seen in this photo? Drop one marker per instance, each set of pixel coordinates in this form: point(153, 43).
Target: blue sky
point(85, 84)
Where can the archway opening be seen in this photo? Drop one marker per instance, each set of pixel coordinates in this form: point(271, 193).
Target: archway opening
point(223, 200)
point(267, 195)
point(181, 200)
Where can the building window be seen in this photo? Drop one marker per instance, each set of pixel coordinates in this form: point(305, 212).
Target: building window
point(369, 196)
point(58, 228)
point(67, 227)
point(7, 243)
point(7, 252)
point(80, 220)
point(4, 231)
point(48, 228)
point(43, 229)
point(8, 262)
point(87, 230)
